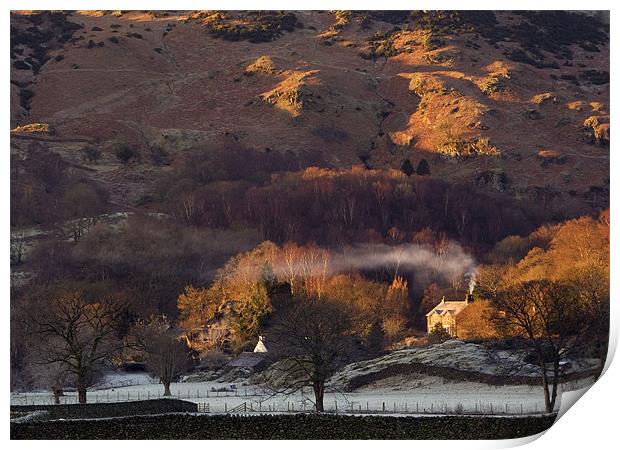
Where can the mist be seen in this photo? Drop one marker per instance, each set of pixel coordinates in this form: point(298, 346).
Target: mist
point(425, 262)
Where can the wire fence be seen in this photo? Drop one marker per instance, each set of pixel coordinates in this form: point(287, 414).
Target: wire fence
point(248, 401)
point(110, 396)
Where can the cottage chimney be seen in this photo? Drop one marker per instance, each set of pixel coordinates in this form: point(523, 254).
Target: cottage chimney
point(443, 299)
point(469, 298)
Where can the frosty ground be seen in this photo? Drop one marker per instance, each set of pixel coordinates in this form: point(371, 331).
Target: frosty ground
point(430, 394)
point(385, 391)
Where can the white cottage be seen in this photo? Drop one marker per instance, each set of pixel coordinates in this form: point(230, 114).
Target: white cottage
point(446, 313)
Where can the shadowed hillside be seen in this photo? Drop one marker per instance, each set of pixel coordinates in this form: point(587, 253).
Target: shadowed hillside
point(516, 104)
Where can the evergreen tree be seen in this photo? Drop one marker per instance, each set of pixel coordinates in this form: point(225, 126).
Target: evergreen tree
point(407, 168)
point(423, 168)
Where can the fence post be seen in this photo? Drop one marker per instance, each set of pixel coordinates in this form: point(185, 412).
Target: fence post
point(383, 407)
point(225, 407)
point(506, 408)
point(431, 408)
point(336, 404)
point(394, 406)
point(521, 408)
point(367, 407)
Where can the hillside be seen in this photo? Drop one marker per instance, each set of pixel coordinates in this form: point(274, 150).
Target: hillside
point(514, 104)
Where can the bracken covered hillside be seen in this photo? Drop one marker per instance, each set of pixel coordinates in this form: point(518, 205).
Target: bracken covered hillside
point(516, 104)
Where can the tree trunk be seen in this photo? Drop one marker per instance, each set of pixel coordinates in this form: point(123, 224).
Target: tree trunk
point(545, 383)
point(319, 390)
point(556, 380)
point(56, 396)
point(602, 343)
point(81, 392)
point(167, 392)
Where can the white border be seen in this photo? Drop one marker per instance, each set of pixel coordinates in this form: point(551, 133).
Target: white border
point(591, 424)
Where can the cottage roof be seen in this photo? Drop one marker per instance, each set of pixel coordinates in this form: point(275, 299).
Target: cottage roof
point(452, 308)
point(248, 359)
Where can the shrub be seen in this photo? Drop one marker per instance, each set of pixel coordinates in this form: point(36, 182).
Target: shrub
point(597, 129)
point(262, 65)
point(21, 65)
point(459, 147)
point(125, 154)
point(160, 157)
point(407, 168)
point(259, 26)
point(423, 168)
point(545, 97)
point(551, 156)
point(34, 128)
point(91, 154)
point(25, 97)
point(438, 334)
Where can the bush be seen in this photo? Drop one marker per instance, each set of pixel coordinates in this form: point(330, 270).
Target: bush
point(126, 154)
point(423, 168)
point(91, 154)
point(407, 168)
point(438, 335)
point(25, 97)
point(160, 157)
point(35, 128)
point(258, 26)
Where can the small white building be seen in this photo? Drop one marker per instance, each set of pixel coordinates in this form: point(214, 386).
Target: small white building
point(260, 346)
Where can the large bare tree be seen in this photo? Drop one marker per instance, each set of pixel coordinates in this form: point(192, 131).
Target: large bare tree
point(76, 335)
point(166, 356)
point(311, 337)
point(549, 316)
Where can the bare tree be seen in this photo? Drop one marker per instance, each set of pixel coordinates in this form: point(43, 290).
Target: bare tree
point(18, 240)
point(549, 316)
point(81, 206)
point(311, 336)
point(76, 335)
point(592, 284)
point(167, 357)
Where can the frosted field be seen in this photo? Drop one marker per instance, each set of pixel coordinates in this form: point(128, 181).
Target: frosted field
point(427, 395)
